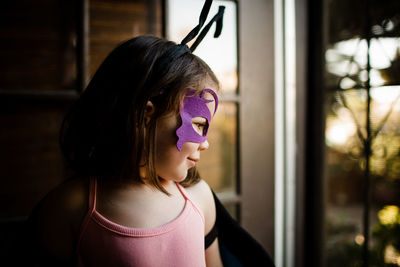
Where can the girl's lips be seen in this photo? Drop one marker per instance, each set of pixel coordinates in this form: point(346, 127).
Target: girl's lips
point(193, 161)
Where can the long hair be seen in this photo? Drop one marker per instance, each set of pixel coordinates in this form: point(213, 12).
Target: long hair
point(104, 133)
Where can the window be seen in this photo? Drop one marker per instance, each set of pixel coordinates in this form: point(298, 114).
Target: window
point(358, 183)
point(219, 166)
point(242, 139)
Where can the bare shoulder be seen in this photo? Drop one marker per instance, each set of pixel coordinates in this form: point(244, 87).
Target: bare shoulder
point(199, 187)
point(59, 217)
point(69, 195)
point(201, 193)
point(202, 196)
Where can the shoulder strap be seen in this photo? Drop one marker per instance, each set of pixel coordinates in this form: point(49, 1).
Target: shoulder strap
point(186, 196)
point(211, 236)
point(91, 208)
point(183, 191)
point(92, 194)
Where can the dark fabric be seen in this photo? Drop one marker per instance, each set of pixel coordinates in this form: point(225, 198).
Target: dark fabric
point(211, 236)
point(228, 259)
point(36, 254)
point(236, 244)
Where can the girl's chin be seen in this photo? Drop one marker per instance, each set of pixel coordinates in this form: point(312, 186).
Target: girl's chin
point(179, 179)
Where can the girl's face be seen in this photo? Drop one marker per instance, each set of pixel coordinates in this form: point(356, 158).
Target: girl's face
point(172, 164)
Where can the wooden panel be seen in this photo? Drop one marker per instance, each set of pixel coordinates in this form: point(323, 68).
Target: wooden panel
point(30, 160)
point(256, 84)
point(301, 107)
point(37, 45)
point(38, 56)
point(112, 22)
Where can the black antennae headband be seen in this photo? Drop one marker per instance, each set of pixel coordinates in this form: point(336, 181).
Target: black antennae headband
point(182, 48)
point(162, 63)
point(218, 18)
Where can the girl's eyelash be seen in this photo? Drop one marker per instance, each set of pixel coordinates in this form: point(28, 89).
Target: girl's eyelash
point(199, 124)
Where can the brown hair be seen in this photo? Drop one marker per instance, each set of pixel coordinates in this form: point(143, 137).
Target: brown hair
point(103, 134)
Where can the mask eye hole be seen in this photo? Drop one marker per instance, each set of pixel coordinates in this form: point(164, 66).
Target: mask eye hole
point(200, 125)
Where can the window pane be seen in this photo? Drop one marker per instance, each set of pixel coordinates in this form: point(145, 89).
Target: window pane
point(346, 80)
point(344, 183)
point(220, 53)
point(218, 164)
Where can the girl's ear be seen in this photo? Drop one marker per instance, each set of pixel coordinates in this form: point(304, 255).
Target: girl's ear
point(149, 112)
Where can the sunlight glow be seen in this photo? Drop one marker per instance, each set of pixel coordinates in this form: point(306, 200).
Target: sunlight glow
point(359, 239)
point(382, 52)
point(385, 94)
point(338, 131)
point(389, 215)
point(392, 255)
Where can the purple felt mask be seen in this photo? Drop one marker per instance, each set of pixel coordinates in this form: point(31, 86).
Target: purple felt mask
point(194, 106)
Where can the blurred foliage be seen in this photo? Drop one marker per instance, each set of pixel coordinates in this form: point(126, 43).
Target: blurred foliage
point(345, 81)
point(391, 75)
point(348, 254)
point(347, 18)
point(385, 136)
point(387, 234)
point(343, 249)
point(387, 231)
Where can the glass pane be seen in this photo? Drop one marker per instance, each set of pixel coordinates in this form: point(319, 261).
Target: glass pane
point(112, 22)
point(37, 45)
point(346, 80)
point(220, 53)
point(218, 164)
point(344, 183)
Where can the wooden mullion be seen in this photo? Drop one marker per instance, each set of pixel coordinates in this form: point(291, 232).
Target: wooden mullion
point(82, 42)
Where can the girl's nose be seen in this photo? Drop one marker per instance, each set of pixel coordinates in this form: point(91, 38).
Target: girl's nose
point(203, 146)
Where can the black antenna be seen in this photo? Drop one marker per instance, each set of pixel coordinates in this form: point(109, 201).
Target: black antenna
point(218, 18)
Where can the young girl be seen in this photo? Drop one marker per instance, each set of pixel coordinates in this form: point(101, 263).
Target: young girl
point(133, 140)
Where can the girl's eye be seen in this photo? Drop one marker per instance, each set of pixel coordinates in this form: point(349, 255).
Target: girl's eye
point(200, 128)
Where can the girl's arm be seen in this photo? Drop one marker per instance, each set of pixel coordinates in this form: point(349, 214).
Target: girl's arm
point(56, 222)
point(203, 197)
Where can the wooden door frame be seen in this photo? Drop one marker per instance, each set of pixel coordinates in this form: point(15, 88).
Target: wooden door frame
point(256, 119)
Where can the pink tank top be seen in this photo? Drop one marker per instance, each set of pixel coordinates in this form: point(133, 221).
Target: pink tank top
point(177, 243)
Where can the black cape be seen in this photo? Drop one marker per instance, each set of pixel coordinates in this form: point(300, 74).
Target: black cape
point(237, 246)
